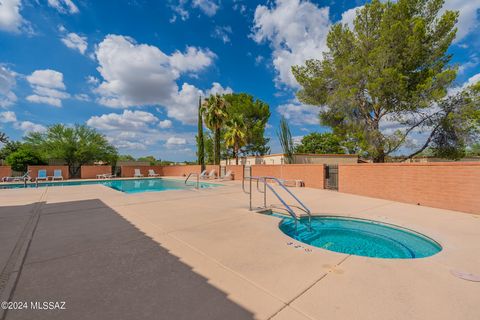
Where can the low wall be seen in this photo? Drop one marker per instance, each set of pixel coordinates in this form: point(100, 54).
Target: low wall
point(445, 185)
point(237, 171)
point(5, 171)
point(180, 170)
point(311, 174)
point(90, 172)
point(34, 170)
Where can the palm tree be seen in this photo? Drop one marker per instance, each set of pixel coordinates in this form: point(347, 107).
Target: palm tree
point(236, 135)
point(3, 138)
point(215, 110)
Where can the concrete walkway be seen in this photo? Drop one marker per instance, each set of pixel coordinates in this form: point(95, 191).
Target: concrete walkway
point(202, 255)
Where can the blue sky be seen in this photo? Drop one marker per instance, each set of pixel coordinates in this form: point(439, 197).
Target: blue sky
point(134, 70)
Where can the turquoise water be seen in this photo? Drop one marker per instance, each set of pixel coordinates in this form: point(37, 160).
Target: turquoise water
point(127, 186)
point(361, 237)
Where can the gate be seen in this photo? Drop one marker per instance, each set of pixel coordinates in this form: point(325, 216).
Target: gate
point(247, 171)
point(331, 176)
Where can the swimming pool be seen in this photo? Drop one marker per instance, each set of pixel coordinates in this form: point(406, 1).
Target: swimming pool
point(361, 237)
point(123, 185)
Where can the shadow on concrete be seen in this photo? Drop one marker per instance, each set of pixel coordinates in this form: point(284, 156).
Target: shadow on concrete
point(103, 267)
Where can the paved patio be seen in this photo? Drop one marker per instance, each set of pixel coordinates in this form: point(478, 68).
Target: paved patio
point(202, 255)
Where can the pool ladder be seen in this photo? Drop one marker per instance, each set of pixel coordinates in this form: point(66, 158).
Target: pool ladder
point(194, 174)
point(287, 207)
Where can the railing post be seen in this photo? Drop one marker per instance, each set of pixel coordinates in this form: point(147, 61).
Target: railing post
point(265, 193)
point(250, 178)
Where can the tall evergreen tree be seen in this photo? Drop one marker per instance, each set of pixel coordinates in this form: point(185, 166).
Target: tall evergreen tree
point(200, 139)
point(385, 80)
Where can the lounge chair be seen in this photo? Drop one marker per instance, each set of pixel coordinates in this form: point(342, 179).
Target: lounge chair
point(203, 174)
point(151, 173)
point(19, 178)
point(228, 176)
point(57, 175)
point(137, 173)
point(42, 175)
point(211, 175)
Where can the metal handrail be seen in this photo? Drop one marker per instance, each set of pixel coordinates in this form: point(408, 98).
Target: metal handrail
point(265, 179)
point(280, 183)
point(198, 178)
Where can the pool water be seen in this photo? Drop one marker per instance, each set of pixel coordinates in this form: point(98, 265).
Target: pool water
point(127, 186)
point(361, 237)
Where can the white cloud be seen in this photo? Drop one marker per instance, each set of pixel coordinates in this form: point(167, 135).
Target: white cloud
point(47, 78)
point(349, 15)
point(92, 80)
point(468, 20)
point(296, 30)
point(192, 60)
point(75, 42)
point(140, 75)
point(209, 7)
point(44, 100)
point(8, 116)
point(28, 126)
point(81, 97)
point(48, 87)
point(10, 18)
point(7, 83)
point(25, 126)
point(298, 114)
point(165, 124)
point(223, 33)
point(173, 142)
point(64, 6)
point(217, 88)
point(134, 130)
point(471, 81)
point(127, 120)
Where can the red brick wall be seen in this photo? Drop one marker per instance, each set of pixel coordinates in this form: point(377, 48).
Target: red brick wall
point(237, 171)
point(446, 185)
point(5, 171)
point(129, 171)
point(90, 172)
point(50, 169)
point(311, 174)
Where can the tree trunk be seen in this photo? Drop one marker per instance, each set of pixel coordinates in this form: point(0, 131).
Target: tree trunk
point(236, 154)
point(217, 146)
point(380, 158)
point(200, 141)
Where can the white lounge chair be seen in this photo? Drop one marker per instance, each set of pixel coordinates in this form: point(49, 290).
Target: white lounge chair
point(151, 173)
point(211, 175)
point(137, 173)
point(228, 176)
point(203, 174)
point(42, 175)
point(19, 178)
point(57, 175)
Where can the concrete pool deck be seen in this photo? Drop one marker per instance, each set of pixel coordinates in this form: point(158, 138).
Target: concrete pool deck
point(202, 255)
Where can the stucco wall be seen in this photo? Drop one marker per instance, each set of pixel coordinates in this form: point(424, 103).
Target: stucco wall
point(128, 171)
point(447, 185)
point(50, 169)
point(90, 172)
point(237, 171)
point(5, 171)
point(311, 174)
